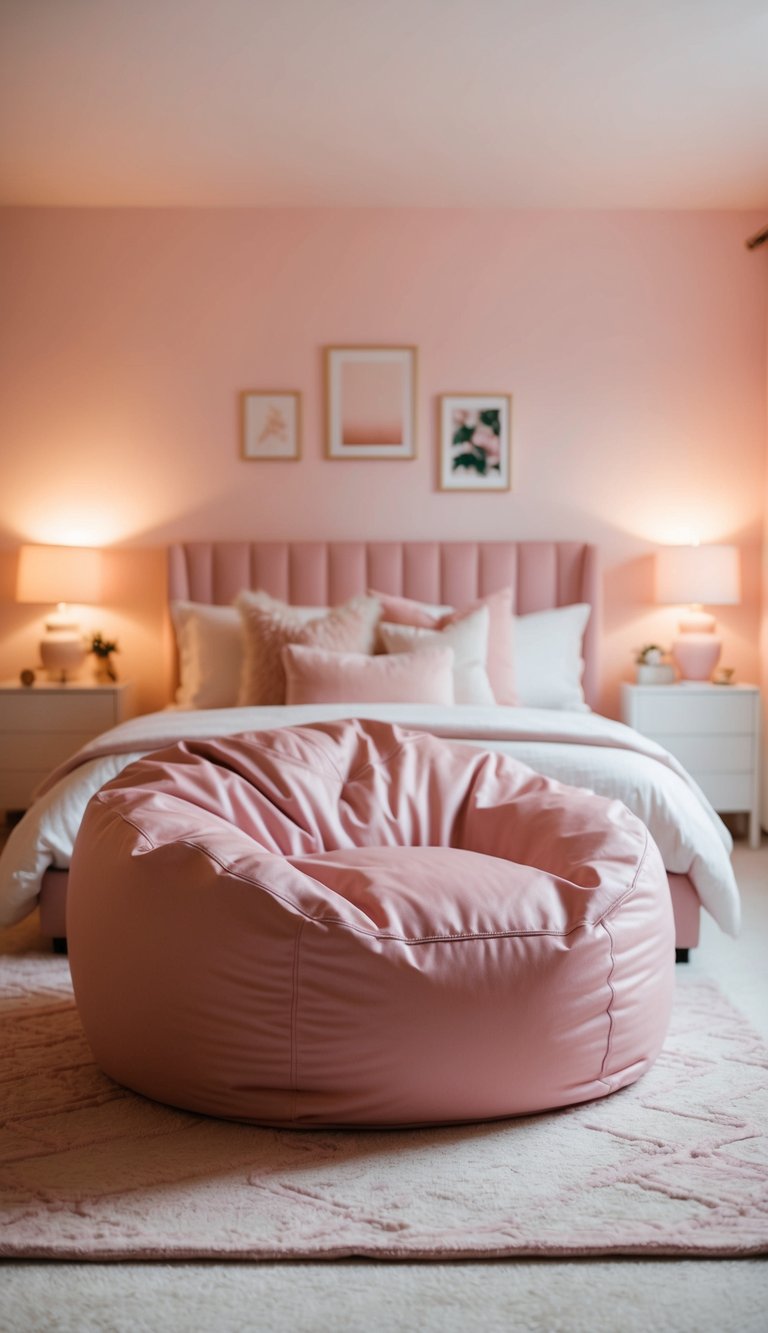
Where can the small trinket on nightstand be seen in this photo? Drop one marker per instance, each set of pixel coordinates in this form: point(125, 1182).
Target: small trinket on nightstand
point(651, 667)
point(724, 676)
point(27, 677)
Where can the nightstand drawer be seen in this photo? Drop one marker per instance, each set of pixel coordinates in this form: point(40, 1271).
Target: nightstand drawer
point(671, 714)
point(711, 754)
point(39, 750)
point(77, 712)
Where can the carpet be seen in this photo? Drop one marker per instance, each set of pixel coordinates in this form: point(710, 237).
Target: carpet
point(675, 1165)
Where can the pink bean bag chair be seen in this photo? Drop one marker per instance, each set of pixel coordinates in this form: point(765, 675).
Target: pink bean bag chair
point(349, 924)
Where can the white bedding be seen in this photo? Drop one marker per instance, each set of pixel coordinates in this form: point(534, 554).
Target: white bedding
point(581, 749)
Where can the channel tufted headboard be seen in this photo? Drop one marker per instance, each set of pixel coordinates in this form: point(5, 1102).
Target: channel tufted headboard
point(542, 574)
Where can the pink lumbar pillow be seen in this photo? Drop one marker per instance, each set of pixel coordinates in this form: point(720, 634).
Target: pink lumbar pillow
point(500, 661)
point(269, 624)
point(314, 676)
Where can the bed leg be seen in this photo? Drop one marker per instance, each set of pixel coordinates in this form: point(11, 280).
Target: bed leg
point(682, 955)
point(59, 944)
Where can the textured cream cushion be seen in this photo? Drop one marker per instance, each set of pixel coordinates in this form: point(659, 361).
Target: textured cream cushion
point(314, 676)
point(268, 625)
point(468, 637)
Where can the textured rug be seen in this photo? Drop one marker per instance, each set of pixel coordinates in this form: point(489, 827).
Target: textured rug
point(676, 1165)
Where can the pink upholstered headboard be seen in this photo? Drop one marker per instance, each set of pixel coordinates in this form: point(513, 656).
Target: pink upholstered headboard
point(542, 574)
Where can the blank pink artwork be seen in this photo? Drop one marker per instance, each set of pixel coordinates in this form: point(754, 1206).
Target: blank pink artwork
point(372, 403)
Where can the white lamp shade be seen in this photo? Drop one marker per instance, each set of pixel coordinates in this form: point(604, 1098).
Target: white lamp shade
point(58, 574)
point(708, 575)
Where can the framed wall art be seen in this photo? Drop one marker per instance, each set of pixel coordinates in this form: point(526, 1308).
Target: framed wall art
point(474, 442)
point(270, 424)
point(370, 402)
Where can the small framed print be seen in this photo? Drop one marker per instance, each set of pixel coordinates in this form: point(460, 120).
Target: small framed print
point(370, 402)
point(475, 442)
point(270, 424)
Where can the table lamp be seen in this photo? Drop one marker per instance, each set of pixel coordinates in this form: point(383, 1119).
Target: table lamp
point(60, 574)
point(698, 576)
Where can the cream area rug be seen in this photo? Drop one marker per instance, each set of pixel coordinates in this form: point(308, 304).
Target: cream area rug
point(675, 1165)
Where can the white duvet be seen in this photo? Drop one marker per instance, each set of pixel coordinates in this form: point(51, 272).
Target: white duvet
point(581, 749)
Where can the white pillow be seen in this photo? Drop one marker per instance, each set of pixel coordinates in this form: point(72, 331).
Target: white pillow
point(467, 637)
point(210, 646)
point(548, 658)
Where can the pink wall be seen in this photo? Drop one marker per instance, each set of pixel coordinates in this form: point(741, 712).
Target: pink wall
point(633, 343)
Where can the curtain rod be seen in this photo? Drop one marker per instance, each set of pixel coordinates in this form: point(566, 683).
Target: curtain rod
point(759, 238)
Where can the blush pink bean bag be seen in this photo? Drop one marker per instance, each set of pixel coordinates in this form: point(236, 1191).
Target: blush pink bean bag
point(350, 924)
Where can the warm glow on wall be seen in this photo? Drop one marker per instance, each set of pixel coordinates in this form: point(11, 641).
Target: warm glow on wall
point(70, 528)
point(93, 493)
point(708, 524)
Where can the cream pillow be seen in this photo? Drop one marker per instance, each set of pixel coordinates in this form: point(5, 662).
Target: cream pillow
point(268, 625)
point(209, 642)
point(467, 637)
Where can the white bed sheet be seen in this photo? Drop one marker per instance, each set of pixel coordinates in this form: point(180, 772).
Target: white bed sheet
point(579, 749)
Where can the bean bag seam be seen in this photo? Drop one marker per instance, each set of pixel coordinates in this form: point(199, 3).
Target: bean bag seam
point(618, 902)
point(376, 934)
point(294, 1066)
point(611, 1001)
point(603, 922)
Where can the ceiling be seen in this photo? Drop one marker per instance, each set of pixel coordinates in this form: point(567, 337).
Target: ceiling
point(465, 103)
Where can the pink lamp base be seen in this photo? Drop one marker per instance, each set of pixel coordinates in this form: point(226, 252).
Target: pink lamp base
point(697, 655)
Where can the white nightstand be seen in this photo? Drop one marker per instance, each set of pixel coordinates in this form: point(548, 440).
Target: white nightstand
point(713, 730)
point(44, 723)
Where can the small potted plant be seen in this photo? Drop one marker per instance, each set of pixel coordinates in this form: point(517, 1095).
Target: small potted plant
point(651, 667)
point(102, 649)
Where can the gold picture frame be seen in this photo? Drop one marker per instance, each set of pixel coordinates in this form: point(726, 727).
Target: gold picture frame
point(475, 442)
point(370, 397)
point(270, 425)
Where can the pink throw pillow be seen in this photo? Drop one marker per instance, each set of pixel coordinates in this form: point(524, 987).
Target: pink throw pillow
point(404, 611)
point(317, 677)
point(269, 624)
point(500, 664)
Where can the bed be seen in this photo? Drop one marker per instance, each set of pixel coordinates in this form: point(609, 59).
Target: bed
point(553, 727)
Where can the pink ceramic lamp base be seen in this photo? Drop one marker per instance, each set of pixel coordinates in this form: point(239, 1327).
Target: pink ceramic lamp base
point(696, 655)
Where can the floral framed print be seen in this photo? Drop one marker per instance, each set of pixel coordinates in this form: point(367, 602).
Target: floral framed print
point(270, 424)
point(370, 402)
point(475, 442)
